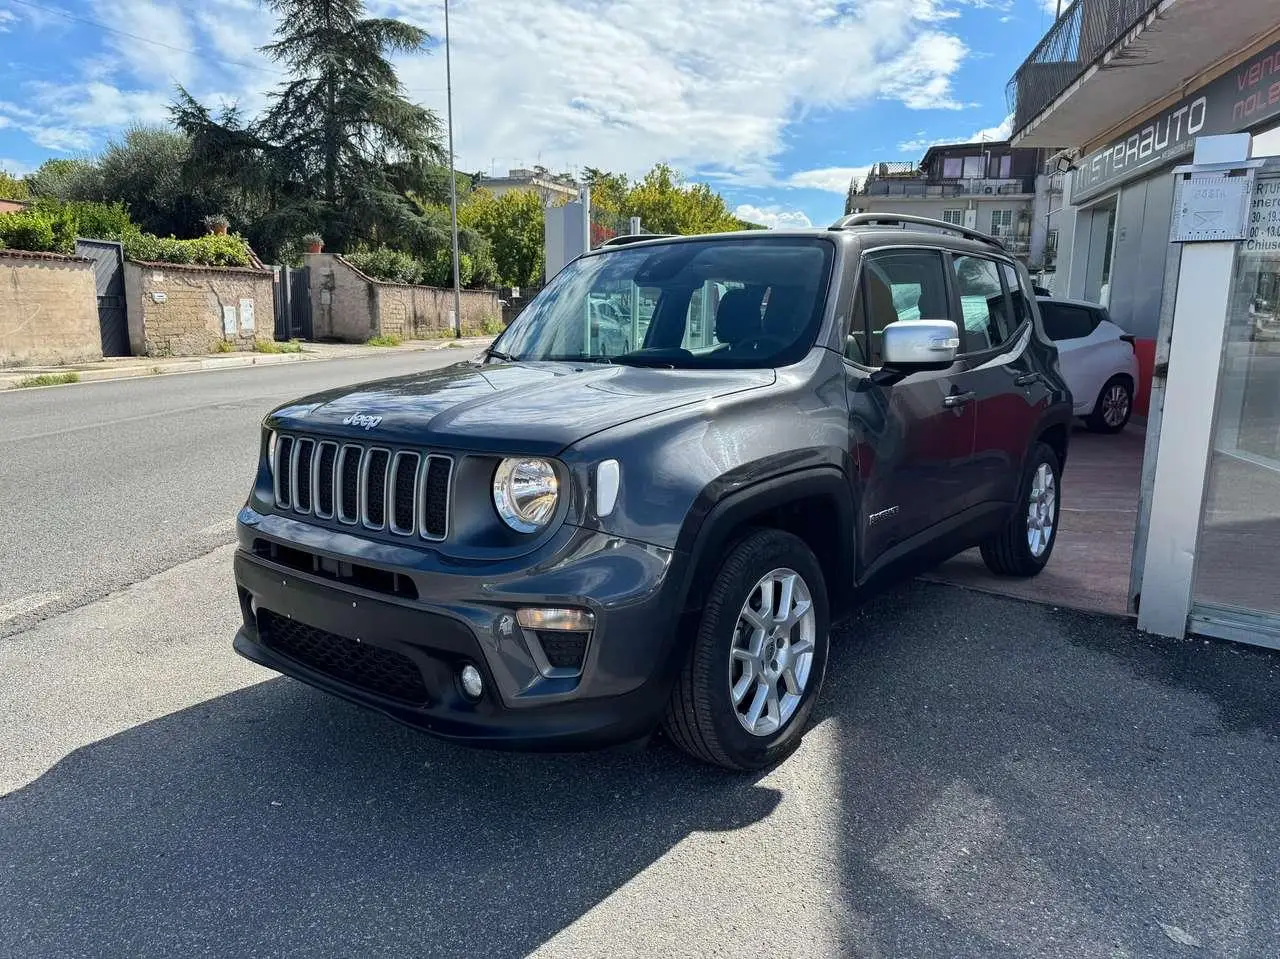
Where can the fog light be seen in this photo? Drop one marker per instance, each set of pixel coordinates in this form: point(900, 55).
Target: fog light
point(574, 620)
point(472, 682)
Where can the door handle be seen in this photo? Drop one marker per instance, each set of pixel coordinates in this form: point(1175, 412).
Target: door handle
point(953, 400)
point(1026, 379)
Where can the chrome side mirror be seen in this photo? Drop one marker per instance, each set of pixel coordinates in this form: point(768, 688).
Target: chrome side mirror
point(920, 344)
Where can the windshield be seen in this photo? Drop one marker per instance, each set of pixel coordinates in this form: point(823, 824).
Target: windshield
point(707, 303)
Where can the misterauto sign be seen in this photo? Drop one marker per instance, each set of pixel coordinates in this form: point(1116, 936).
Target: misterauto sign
point(1235, 101)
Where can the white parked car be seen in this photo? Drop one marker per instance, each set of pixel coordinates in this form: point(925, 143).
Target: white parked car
point(1098, 361)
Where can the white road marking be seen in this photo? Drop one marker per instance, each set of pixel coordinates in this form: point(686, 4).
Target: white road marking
point(25, 604)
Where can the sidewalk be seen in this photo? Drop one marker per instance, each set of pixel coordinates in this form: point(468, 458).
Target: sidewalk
point(123, 367)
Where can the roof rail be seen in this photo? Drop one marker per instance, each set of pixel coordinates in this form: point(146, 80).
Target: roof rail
point(626, 238)
point(876, 219)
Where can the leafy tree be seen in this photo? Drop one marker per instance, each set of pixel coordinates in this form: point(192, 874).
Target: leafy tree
point(665, 203)
point(513, 224)
point(608, 190)
point(66, 179)
point(12, 188)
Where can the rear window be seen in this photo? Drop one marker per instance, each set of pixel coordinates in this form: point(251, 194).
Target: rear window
point(1065, 321)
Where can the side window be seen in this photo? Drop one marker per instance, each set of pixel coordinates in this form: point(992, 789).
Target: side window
point(1064, 321)
point(897, 285)
point(1017, 297)
point(987, 321)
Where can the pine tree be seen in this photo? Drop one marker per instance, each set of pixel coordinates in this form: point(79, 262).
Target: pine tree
point(340, 145)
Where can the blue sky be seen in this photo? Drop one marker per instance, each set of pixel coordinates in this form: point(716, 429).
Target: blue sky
point(776, 103)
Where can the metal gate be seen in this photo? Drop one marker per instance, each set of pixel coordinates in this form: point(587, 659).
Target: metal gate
point(108, 278)
point(293, 303)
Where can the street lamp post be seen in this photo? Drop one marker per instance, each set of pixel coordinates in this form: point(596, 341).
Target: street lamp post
point(453, 179)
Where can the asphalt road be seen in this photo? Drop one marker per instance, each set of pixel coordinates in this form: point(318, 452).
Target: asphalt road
point(984, 777)
point(104, 484)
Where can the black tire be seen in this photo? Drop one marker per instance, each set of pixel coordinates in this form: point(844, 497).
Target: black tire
point(1097, 420)
point(701, 718)
point(1008, 552)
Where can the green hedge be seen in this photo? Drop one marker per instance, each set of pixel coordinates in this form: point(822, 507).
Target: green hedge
point(211, 250)
point(395, 266)
point(51, 226)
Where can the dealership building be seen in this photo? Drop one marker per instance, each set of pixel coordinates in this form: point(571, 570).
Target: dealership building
point(1119, 92)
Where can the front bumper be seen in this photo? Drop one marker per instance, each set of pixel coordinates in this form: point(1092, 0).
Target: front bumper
point(465, 615)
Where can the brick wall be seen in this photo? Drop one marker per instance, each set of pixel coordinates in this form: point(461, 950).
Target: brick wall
point(350, 306)
point(178, 310)
point(48, 310)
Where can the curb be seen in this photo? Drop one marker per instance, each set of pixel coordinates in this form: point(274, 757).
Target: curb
point(204, 364)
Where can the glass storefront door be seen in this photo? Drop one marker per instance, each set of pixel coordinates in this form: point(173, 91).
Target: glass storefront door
point(1238, 556)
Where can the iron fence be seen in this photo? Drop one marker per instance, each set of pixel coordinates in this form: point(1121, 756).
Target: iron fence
point(1079, 38)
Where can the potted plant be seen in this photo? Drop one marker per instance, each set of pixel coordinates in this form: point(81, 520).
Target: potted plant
point(314, 242)
point(217, 224)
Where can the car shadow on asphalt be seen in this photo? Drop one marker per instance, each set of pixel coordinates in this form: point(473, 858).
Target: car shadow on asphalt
point(277, 820)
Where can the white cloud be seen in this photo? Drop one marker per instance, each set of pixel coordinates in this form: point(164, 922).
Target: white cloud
point(150, 63)
point(832, 179)
point(1000, 131)
point(7, 19)
point(14, 167)
point(774, 217)
point(707, 85)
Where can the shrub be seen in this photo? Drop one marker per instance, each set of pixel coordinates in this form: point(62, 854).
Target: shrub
point(30, 230)
point(212, 250)
point(223, 346)
point(387, 264)
point(385, 339)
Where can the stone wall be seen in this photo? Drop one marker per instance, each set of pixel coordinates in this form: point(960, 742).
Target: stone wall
point(48, 310)
point(347, 305)
point(180, 310)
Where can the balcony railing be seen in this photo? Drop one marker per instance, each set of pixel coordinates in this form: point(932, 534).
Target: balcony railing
point(920, 187)
point(1084, 32)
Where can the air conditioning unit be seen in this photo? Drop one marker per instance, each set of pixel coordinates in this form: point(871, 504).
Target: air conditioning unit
point(989, 190)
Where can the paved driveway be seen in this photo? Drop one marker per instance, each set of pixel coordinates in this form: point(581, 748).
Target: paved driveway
point(985, 778)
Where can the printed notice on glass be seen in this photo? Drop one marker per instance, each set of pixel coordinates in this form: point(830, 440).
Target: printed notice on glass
point(1213, 206)
point(1264, 220)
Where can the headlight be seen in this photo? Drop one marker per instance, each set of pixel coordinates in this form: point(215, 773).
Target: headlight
point(525, 493)
point(271, 451)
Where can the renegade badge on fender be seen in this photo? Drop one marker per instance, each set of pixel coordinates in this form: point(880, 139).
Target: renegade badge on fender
point(647, 500)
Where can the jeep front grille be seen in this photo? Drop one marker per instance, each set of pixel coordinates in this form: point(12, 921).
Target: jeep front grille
point(401, 491)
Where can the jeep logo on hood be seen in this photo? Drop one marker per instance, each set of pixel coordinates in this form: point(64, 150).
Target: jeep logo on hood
point(362, 419)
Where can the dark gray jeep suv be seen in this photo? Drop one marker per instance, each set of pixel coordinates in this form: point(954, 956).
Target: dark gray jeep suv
point(646, 502)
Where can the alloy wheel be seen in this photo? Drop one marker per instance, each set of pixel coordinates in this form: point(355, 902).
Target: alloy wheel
point(1041, 509)
point(1115, 405)
point(772, 652)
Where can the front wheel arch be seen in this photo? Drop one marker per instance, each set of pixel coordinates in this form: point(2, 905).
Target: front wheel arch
point(826, 524)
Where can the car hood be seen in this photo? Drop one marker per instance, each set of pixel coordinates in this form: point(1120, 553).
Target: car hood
point(526, 407)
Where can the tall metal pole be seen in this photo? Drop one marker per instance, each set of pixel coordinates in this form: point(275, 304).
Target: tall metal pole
point(453, 179)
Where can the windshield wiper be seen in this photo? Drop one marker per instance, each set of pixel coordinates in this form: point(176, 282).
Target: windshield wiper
point(576, 358)
point(498, 355)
